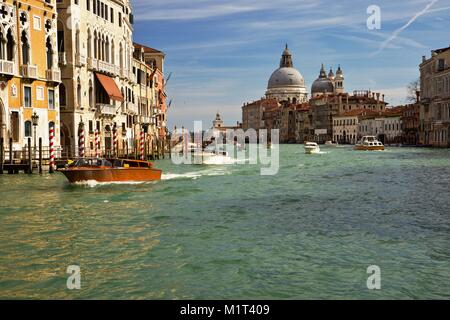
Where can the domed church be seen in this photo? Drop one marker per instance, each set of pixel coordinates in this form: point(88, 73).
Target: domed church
point(330, 84)
point(287, 83)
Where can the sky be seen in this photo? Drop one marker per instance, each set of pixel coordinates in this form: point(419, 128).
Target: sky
point(221, 53)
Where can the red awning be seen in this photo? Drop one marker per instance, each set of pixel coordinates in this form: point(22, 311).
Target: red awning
point(110, 87)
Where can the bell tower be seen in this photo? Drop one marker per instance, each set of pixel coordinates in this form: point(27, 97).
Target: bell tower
point(286, 59)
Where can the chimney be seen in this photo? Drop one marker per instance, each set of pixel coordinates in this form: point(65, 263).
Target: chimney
point(424, 58)
point(378, 97)
point(383, 97)
point(417, 96)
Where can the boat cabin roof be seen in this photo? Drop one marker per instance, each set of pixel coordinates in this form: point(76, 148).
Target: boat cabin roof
point(113, 163)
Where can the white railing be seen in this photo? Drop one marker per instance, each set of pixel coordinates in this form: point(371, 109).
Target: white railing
point(131, 107)
point(29, 71)
point(102, 66)
point(106, 109)
point(53, 75)
point(7, 67)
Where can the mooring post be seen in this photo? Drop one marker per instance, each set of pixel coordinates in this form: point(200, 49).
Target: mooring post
point(1, 155)
point(30, 160)
point(10, 151)
point(40, 155)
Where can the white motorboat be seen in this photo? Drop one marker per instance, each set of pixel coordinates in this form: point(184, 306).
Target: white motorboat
point(311, 148)
point(369, 143)
point(331, 144)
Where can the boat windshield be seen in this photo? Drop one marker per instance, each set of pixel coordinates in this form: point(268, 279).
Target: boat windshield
point(91, 163)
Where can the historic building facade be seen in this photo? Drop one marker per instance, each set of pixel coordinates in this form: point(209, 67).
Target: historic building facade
point(151, 107)
point(29, 73)
point(435, 99)
point(97, 92)
point(410, 124)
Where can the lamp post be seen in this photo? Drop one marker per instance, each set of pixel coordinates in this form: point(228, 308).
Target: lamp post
point(35, 121)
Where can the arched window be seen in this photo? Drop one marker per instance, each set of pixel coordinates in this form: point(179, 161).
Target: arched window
point(79, 93)
point(91, 95)
point(61, 46)
point(89, 44)
point(113, 58)
point(28, 131)
point(2, 46)
point(10, 46)
point(49, 49)
point(62, 95)
point(77, 42)
point(95, 45)
point(25, 49)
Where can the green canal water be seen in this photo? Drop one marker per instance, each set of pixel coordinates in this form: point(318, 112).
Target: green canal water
point(228, 233)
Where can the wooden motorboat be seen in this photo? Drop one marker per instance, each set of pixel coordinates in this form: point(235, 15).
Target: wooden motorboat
point(111, 170)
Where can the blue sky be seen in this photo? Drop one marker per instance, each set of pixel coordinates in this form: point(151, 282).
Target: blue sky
point(222, 53)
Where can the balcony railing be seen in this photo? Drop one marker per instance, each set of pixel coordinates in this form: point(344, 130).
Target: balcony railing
point(53, 75)
point(106, 109)
point(132, 108)
point(29, 71)
point(7, 67)
point(80, 60)
point(102, 66)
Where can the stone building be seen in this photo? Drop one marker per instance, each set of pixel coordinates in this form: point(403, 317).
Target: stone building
point(29, 73)
point(346, 126)
point(386, 125)
point(150, 110)
point(410, 124)
point(435, 99)
point(97, 92)
point(253, 113)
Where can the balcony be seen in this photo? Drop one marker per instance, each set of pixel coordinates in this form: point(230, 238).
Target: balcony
point(102, 66)
point(144, 120)
point(106, 109)
point(132, 108)
point(53, 75)
point(80, 60)
point(29, 71)
point(7, 67)
point(62, 59)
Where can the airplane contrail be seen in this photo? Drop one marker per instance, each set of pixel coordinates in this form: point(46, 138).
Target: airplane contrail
point(400, 30)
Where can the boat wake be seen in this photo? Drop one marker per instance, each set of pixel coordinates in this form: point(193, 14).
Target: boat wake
point(93, 183)
point(193, 175)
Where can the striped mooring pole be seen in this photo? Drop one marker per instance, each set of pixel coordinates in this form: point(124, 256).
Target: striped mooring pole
point(97, 144)
point(52, 150)
point(81, 142)
point(115, 141)
point(142, 144)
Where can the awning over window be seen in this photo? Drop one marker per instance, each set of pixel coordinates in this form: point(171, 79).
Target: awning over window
point(110, 87)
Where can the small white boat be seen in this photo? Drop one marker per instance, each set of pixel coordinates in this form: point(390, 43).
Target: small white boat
point(311, 148)
point(331, 144)
point(369, 143)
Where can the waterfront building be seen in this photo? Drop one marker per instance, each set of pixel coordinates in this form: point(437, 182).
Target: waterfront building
point(29, 73)
point(410, 124)
point(327, 104)
point(435, 99)
point(253, 113)
point(346, 126)
point(95, 55)
point(287, 83)
point(386, 126)
point(149, 109)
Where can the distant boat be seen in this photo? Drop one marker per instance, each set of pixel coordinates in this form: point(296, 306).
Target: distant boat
point(369, 143)
point(311, 148)
point(331, 144)
point(111, 170)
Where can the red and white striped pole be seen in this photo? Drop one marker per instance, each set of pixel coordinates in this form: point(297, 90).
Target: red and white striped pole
point(97, 140)
point(116, 151)
point(142, 145)
point(52, 149)
point(81, 141)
